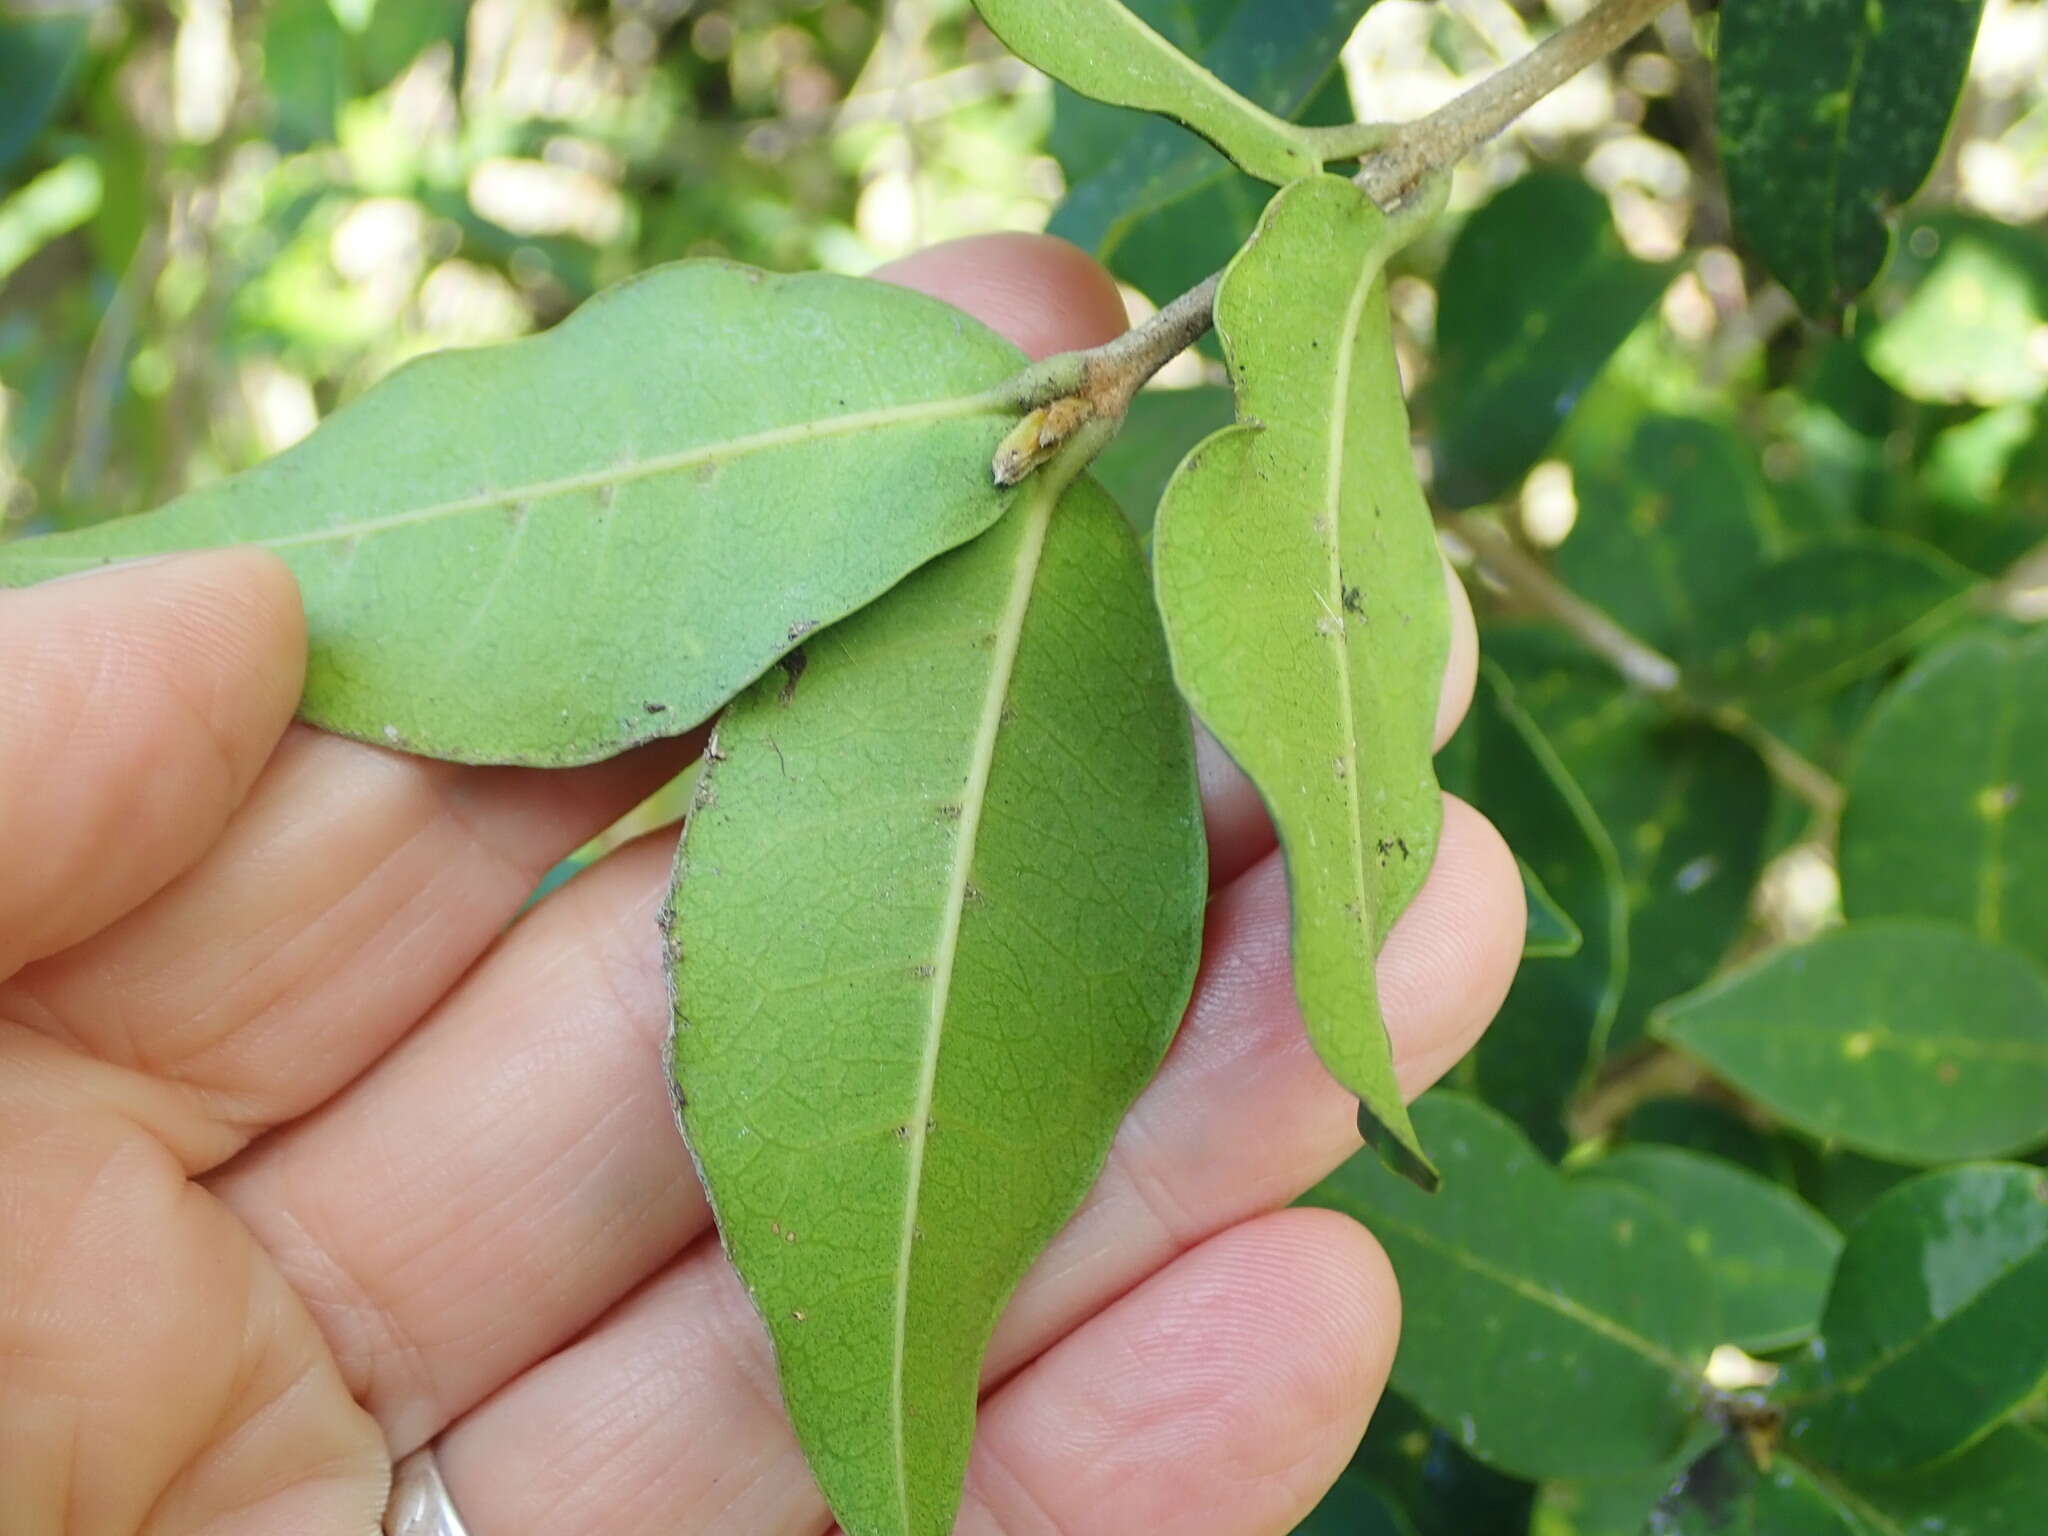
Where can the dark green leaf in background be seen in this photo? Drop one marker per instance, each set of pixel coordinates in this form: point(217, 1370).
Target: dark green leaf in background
point(1820, 618)
point(1550, 933)
point(1935, 1327)
point(1724, 1493)
point(1998, 1487)
point(1831, 114)
point(1908, 1040)
point(1536, 296)
point(1432, 1483)
point(1531, 1301)
point(937, 911)
point(1306, 608)
point(1555, 1020)
point(1714, 1129)
point(39, 60)
point(547, 551)
point(1159, 430)
point(1983, 489)
point(1947, 815)
point(1672, 524)
point(1355, 1508)
point(1770, 1253)
point(1150, 199)
point(1685, 804)
point(1960, 314)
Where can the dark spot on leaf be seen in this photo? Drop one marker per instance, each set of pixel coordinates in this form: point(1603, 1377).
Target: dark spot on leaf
point(971, 895)
point(706, 472)
point(793, 670)
point(653, 708)
point(950, 811)
point(1354, 601)
point(924, 972)
point(801, 628)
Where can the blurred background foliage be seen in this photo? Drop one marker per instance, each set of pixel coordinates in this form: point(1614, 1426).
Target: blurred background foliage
point(222, 219)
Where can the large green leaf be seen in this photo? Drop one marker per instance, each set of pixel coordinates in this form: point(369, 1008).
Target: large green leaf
point(1998, 1487)
point(1556, 1327)
point(1151, 199)
point(547, 551)
point(1355, 1508)
point(1685, 804)
point(937, 911)
point(1831, 114)
point(39, 59)
point(1822, 617)
point(1305, 606)
point(1556, 1017)
point(1935, 1328)
point(1103, 49)
point(1911, 1041)
point(1947, 813)
point(1536, 296)
point(1770, 1253)
point(1960, 312)
point(1672, 523)
point(1724, 1493)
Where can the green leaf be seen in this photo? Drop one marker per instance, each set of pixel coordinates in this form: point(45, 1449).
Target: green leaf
point(1536, 296)
point(548, 551)
point(1725, 1492)
point(1685, 804)
point(937, 912)
point(1355, 1508)
point(1822, 617)
point(1428, 1478)
point(1770, 1253)
point(1150, 199)
point(1998, 1487)
point(39, 60)
point(1102, 49)
point(1551, 934)
point(1960, 313)
point(1536, 1055)
point(1672, 523)
point(1947, 815)
point(1906, 1040)
point(1159, 429)
point(1935, 1328)
point(1557, 1327)
point(1305, 606)
point(1713, 1129)
point(1831, 115)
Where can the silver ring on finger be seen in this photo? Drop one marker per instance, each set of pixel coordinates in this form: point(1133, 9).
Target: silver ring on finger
point(420, 1505)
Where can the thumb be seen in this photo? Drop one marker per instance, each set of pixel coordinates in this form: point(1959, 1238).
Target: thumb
point(1042, 293)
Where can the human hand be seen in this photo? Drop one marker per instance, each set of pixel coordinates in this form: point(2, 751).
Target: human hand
point(306, 1160)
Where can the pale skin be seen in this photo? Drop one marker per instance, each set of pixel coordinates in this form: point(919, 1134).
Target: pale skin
point(306, 1159)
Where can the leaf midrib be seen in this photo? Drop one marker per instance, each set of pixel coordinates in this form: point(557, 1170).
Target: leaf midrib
point(1550, 1300)
point(617, 475)
point(1333, 507)
point(1893, 1042)
point(1037, 511)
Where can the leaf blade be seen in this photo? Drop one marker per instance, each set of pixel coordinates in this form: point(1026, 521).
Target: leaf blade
point(1299, 537)
point(560, 584)
point(1831, 115)
point(1581, 1289)
point(1907, 1040)
point(857, 941)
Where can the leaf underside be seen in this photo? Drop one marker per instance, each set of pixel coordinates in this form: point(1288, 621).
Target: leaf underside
point(1104, 50)
point(551, 550)
point(936, 914)
point(1304, 600)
